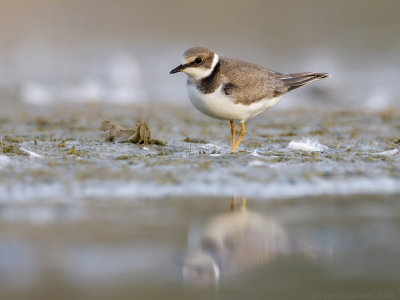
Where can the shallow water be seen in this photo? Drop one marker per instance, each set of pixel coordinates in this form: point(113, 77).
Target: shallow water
point(105, 220)
point(317, 246)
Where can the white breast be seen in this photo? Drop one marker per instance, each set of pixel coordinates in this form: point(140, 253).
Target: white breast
point(223, 107)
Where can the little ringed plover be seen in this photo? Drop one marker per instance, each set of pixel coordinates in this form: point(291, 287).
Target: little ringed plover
point(231, 89)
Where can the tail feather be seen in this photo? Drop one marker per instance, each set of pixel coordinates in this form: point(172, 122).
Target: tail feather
point(296, 80)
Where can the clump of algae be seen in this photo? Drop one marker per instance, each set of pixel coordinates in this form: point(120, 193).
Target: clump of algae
point(139, 135)
point(72, 151)
point(194, 140)
point(61, 145)
point(10, 149)
point(12, 139)
point(115, 132)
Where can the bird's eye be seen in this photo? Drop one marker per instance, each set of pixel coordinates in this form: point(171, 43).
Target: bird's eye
point(198, 60)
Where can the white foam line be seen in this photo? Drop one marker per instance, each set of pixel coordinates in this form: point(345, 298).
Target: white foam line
point(256, 190)
point(387, 153)
point(307, 145)
point(31, 153)
point(256, 163)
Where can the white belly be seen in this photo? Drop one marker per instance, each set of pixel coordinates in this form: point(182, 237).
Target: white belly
point(221, 106)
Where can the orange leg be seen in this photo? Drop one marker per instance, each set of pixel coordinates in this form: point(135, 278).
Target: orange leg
point(233, 132)
point(241, 135)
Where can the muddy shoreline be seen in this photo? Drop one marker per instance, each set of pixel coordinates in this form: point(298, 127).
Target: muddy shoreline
point(359, 154)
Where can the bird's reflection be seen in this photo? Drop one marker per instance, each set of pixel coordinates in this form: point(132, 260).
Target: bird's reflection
point(233, 242)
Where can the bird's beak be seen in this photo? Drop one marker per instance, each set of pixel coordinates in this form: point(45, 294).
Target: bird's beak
point(177, 69)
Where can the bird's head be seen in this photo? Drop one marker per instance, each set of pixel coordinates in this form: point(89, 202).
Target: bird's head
point(197, 63)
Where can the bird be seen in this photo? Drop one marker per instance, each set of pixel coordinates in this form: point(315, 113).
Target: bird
point(231, 89)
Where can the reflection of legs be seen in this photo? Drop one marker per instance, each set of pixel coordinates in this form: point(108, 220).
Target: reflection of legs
point(233, 132)
point(241, 135)
point(244, 200)
point(233, 202)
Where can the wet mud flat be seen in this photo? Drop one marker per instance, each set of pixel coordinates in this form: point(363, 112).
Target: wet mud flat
point(83, 217)
point(62, 153)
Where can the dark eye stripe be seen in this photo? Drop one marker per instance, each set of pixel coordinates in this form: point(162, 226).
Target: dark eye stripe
point(193, 63)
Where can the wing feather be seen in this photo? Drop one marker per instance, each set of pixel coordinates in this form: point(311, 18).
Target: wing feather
point(248, 83)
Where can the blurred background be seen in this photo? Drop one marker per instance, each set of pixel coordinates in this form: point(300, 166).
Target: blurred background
point(121, 51)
